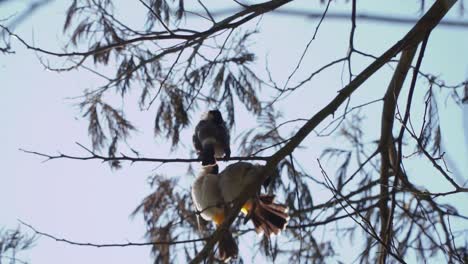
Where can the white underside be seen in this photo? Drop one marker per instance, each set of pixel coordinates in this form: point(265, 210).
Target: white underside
point(206, 196)
point(210, 190)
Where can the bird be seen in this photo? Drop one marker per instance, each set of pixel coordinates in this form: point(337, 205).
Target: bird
point(213, 194)
point(211, 138)
point(209, 202)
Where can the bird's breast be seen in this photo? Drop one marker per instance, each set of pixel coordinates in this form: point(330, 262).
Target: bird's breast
point(206, 196)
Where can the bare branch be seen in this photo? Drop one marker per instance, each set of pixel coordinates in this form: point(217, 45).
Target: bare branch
point(308, 45)
point(128, 244)
point(230, 22)
point(157, 16)
point(367, 226)
point(95, 156)
point(371, 18)
point(412, 38)
point(386, 138)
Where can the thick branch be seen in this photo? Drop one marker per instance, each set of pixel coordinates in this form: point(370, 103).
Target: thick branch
point(414, 36)
point(386, 141)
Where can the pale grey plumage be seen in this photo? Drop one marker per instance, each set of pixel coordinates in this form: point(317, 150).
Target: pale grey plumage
point(213, 193)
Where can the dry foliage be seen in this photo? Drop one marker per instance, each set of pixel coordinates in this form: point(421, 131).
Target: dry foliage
point(175, 70)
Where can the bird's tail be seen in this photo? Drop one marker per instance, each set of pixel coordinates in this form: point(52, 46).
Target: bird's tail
point(208, 152)
point(268, 217)
point(227, 246)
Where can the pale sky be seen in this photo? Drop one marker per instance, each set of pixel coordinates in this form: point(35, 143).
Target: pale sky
point(86, 201)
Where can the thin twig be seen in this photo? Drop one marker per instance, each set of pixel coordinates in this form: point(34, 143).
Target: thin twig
point(128, 244)
point(95, 156)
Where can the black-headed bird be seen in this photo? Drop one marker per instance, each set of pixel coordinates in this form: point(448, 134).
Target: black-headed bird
point(213, 195)
point(211, 138)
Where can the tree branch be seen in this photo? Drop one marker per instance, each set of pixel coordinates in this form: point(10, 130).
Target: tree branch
point(367, 226)
point(386, 141)
point(232, 21)
point(371, 18)
point(334, 218)
point(412, 38)
point(95, 156)
point(128, 244)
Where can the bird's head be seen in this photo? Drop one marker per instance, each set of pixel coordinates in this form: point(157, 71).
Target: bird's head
point(215, 116)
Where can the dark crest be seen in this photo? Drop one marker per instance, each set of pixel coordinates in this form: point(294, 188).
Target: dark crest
point(217, 117)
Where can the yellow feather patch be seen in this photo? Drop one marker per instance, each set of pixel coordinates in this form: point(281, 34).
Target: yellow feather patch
point(218, 218)
point(246, 208)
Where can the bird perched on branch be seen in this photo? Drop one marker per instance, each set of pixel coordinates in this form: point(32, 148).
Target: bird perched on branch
point(211, 138)
point(213, 195)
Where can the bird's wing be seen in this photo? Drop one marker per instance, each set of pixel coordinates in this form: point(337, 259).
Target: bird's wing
point(225, 138)
point(196, 143)
point(235, 178)
point(196, 140)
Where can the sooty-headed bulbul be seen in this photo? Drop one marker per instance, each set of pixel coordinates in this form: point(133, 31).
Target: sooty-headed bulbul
point(211, 138)
point(213, 193)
